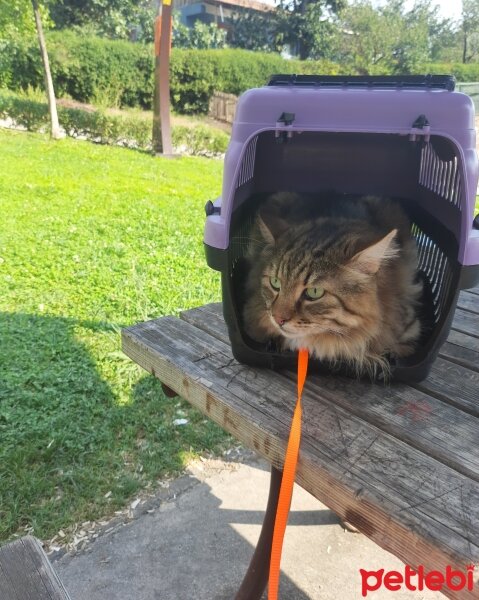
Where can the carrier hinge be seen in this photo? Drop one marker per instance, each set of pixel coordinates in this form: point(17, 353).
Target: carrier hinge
point(286, 119)
point(420, 128)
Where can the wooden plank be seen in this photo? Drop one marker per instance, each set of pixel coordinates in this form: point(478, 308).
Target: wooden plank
point(453, 383)
point(464, 339)
point(414, 414)
point(466, 322)
point(460, 353)
point(468, 302)
point(26, 573)
point(412, 505)
point(474, 290)
point(460, 348)
point(211, 318)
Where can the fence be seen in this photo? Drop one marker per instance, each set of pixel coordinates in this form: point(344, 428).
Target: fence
point(471, 89)
point(223, 106)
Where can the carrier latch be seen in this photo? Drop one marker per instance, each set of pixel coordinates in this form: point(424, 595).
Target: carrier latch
point(285, 119)
point(420, 128)
point(211, 209)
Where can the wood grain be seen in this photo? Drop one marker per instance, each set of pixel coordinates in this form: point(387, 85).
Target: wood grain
point(468, 301)
point(26, 573)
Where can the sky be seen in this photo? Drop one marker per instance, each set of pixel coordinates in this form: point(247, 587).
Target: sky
point(449, 8)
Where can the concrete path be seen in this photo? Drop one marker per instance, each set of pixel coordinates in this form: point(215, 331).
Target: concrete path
point(194, 540)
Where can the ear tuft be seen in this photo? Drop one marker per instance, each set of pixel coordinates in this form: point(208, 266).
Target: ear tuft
point(370, 260)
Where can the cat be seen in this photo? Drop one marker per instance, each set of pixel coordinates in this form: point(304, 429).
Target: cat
point(336, 275)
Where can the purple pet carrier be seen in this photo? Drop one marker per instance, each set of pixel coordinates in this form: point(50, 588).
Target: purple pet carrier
point(410, 138)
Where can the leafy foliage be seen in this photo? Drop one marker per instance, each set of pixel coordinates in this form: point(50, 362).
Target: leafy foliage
point(470, 30)
point(116, 19)
point(201, 36)
point(16, 18)
point(301, 27)
point(307, 26)
point(389, 38)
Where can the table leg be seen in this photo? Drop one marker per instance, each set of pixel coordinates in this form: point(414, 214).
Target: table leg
point(256, 577)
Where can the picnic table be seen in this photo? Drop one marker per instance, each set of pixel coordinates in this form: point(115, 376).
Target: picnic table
point(399, 462)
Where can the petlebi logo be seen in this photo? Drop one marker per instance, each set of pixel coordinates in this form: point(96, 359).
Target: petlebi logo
point(418, 580)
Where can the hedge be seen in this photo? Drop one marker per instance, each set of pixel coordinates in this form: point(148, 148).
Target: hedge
point(119, 73)
point(131, 131)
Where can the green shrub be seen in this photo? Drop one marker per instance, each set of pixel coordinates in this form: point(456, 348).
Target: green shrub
point(119, 73)
point(85, 68)
point(98, 126)
point(462, 72)
point(27, 113)
point(200, 139)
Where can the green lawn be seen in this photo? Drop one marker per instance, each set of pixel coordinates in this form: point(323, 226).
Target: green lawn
point(92, 238)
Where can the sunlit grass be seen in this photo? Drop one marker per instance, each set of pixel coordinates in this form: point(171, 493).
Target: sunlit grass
point(92, 238)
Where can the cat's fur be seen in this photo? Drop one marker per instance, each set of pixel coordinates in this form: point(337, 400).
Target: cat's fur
point(360, 252)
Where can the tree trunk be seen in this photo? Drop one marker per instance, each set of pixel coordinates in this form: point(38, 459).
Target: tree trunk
point(52, 105)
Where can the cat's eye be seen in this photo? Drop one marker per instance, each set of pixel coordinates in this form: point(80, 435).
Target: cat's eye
point(314, 293)
point(275, 283)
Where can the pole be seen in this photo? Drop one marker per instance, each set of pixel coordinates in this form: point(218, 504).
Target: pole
point(161, 99)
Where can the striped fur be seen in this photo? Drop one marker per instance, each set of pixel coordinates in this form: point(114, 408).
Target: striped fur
point(359, 251)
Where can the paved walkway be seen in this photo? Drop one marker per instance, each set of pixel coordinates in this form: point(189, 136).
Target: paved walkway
point(195, 539)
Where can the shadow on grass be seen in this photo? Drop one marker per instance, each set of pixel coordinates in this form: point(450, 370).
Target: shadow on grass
point(69, 451)
point(55, 412)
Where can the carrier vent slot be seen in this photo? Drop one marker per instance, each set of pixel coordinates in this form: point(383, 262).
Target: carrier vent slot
point(435, 265)
point(246, 171)
point(440, 176)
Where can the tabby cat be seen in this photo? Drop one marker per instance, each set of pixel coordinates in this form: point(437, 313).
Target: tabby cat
point(336, 275)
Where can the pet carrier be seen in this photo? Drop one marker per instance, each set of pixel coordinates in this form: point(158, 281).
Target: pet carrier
point(411, 138)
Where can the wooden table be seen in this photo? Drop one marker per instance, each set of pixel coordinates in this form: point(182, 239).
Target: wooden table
point(400, 462)
point(26, 573)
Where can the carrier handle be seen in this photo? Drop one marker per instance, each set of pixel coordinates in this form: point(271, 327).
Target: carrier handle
point(444, 82)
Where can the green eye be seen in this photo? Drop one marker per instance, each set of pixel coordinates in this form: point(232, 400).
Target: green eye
point(314, 293)
point(275, 283)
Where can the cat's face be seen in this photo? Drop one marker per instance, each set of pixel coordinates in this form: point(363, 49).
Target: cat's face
point(314, 281)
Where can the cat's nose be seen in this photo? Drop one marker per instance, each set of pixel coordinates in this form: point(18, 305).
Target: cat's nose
point(281, 319)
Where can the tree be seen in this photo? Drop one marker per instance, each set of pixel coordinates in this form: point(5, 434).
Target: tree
point(201, 36)
point(252, 30)
point(306, 27)
point(390, 38)
point(470, 30)
point(111, 18)
point(16, 21)
point(52, 105)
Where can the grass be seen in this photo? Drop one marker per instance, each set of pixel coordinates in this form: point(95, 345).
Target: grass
point(92, 238)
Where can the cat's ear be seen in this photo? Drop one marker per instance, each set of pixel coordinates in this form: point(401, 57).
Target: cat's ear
point(271, 226)
point(369, 260)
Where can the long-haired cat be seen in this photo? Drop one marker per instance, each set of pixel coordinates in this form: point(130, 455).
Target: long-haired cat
point(336, 275)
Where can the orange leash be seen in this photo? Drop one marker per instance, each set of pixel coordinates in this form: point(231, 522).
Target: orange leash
point(287, 482)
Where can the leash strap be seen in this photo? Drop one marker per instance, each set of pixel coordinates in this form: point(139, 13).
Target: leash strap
point(287, 482)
